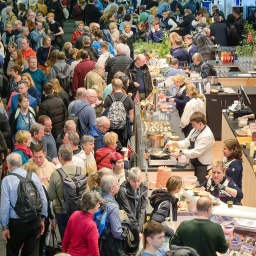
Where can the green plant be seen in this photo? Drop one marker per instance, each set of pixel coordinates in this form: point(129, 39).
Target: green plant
point(154, 49)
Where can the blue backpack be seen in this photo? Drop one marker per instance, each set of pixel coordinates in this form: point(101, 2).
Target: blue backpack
point(100, 217)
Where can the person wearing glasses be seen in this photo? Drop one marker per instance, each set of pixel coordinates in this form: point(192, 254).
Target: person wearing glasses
point(98, 131)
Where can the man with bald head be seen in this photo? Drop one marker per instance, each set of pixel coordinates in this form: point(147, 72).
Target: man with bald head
point(118, 63)
point(85, 112)
point(96, 76)
point(201, 233)
point(140, 78)
point(21, 231)
point(98, 131)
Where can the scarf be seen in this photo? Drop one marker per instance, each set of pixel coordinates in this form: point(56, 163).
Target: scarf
point(27, 151)
point(128, 34)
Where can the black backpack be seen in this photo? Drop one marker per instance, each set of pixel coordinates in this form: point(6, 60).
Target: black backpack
point(212, 71)
point(3, 85)
point(29, 204)
point(63, 78)
point(73, 188)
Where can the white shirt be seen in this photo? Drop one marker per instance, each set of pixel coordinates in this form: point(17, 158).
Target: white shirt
point(173, 24)
point(195, 104)
point(203, 146)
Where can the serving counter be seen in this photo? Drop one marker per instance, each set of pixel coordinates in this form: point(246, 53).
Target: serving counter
point(249, 176)
point(141, 146)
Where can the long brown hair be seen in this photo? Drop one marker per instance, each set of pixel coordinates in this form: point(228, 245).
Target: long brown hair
point(19, 60)
point(235, 148)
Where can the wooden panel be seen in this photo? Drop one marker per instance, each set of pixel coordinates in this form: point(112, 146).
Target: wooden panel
point(251, 82)
point(236, 81)
point(249, 176)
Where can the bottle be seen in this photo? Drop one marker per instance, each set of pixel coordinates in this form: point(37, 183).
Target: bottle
point(217, 58)
point(232, 57)
point(229, 57)
point(252, 149)
point(208, 88)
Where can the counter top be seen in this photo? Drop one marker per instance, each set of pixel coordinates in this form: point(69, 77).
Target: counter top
point(222, 209)
point(234, 126)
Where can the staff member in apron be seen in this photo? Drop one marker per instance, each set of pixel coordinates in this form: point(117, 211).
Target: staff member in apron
point(199, 145)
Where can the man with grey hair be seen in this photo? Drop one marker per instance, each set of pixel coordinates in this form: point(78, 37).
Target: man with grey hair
point(56, 187)
point(93, 53)
point(69, 126)
point(85, 112)
point(4, 15)
point(72, 139)
point(98, 131)
point(17, 231)
point(37, 134)
point(118, 63)
point(96, 76)
point(140, 78)
point(87, 144)
point(109, 188)
point(24, 32)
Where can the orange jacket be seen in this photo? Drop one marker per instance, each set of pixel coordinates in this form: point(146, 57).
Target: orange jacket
point(28, 53)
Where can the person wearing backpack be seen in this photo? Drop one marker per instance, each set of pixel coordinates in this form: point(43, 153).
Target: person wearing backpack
point(119, 109)
point(22, 215)
point(57, 190)
point(62, 71)
point(111, 239)
point(203, 68)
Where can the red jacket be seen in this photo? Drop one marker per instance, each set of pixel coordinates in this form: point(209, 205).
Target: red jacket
point(28, 53)
point(81, 235)
point(103, 156)
point(80, 71)
point(75, 35)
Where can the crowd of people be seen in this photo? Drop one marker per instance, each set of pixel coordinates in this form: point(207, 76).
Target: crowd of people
point(68, 107)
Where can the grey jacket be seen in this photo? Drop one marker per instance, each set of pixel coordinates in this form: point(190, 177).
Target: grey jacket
point(59, 64)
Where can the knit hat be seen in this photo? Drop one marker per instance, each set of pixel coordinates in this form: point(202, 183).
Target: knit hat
point(144, 16)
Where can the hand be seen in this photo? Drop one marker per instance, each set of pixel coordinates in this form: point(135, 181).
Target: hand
point(221, 187)
point(168, 144)
point(153, 30)
point(129, 94)
point(176, 154)
point(55, 161)
point(136, 84)
point(6, 235)
point(42, 226)
point(171, 100)
point(49, 32)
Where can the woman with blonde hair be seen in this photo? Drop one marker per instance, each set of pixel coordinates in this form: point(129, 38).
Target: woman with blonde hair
point(103, 155)
point(194, 104)
point(114, 32)
point(94, 178)
point(17, 59)
point(43, 52)
point(59, 91)
point(31, 87)
point(152, 14)
point(106, 19)
point(205, 13)
point(180, 98)
point(173, 36)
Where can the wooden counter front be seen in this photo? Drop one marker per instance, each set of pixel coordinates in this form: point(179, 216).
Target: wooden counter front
point(249, 176)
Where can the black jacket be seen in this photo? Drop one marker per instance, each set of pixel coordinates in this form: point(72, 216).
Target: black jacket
point(118, 63)
point(131, 72)
point(219, 31)
point(126, 201)
point(91, 14)
point(142, 36)
point(162, 202)
point(240, 24)
point(185, 25)
point(55, 108)
point(5, 129)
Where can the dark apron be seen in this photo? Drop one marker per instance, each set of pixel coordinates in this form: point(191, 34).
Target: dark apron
point(201, 170)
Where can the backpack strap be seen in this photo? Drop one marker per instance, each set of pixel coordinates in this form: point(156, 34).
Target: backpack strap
point(104, 157)
point(123, 98)
point(17, 175)
point(78, 171)
point(62, 174)
point(112, 97)
point(65, 69)
point(56, 69)
point(29, 175)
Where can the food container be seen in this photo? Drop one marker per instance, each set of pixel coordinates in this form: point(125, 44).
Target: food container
point(189, 180)
point(228, 230)
point(174, 138)
point(157, 141)
point(204, 193)
point(213, 80)
point(234, 245)
point(230, 204)
point(242, 122)
point(197, 191)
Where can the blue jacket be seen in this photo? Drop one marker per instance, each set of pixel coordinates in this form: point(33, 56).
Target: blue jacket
point(190, 5)
point(24, 157)
point(192, 49)
point(156, 37)
point(113, 221)
point(97, 44)
point(14, 103)
point(181, 54)
point(162, 7)
point(174, 5)
point(98, 135)
point(235, 171)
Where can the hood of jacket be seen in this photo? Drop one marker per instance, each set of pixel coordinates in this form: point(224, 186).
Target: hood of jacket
point(160, 195)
